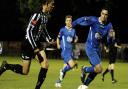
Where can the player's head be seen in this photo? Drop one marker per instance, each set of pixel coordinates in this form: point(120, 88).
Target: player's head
point(68, 21)
point(47, 5)
point(104, 14)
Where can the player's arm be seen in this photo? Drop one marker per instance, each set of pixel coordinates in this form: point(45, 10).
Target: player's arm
point(46, 35)
point(32, 23)
point(75, 37)
point(58, 43)
point(83, 21)
point(106, 48)
point(59, 37)
point(118, 46)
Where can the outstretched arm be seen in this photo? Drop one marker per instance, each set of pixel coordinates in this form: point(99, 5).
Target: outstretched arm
point(83, 21)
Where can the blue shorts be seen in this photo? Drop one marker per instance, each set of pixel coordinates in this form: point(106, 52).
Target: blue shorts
point(67, 54)
point(93, 55)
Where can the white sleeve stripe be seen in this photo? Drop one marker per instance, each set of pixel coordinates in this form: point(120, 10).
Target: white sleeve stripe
point(91, 35)
point(30, 38)
point(29, 31)
point(63, 42)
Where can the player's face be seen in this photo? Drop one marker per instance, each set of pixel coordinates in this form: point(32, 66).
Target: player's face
point(68, 22)
point(104, 15)
point(49, 6)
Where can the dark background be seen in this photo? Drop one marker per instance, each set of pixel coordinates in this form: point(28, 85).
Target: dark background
point(14, 17)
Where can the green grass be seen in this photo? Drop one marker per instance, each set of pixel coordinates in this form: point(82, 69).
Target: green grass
point(10, 80)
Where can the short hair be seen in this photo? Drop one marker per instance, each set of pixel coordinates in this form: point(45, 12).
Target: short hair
point(68, 16)
point(45, 1)
point(106, 8)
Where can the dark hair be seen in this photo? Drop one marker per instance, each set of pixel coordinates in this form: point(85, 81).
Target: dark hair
point(106, 8)
point(45, 1)
point(68, 16)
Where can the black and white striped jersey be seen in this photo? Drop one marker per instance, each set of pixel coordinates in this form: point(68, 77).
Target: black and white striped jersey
point(37, 29)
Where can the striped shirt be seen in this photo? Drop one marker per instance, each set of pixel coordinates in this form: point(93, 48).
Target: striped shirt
point(37, 29)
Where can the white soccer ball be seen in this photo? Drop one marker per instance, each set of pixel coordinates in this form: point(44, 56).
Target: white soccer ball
point(58, 85)
point(82, 87)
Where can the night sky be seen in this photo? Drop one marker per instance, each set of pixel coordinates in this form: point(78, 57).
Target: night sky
point(11, 28)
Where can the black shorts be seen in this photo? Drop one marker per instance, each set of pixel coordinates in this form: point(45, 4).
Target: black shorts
point(27, 50)
point(112, 55)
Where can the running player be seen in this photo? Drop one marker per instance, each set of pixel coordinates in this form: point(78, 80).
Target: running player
point(99, 28)
point(66, 38)
point(31, 46)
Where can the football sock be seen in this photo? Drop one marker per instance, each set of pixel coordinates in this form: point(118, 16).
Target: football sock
point(112, 74)
point(41, 77)
point(106, 71)
point(65, 69)
point(90, 78)
point(15, 68)
point(89, 69)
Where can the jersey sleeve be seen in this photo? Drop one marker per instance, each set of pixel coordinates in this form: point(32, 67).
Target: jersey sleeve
point(110, 29)
point(60, 34)
point(83, 21)
point(32, 23)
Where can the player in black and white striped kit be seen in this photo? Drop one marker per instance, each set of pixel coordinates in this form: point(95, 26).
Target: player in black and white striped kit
point(31, 46)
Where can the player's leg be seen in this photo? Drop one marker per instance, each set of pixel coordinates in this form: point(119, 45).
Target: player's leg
point(27, 55)
point(70, 63)
point(94, 57)
point(112, 62)
point(17, 68)
point(105, 72)
point(44, 68)
point(112, 73)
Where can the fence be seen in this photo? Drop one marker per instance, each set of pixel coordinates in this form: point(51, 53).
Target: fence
point(13, 48)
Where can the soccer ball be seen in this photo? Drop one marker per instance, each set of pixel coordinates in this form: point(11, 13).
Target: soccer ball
point(58, 85)
point(82, 87)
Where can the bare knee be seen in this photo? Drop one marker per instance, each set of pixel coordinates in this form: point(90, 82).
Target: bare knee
point(45, 64)
point(98, 69)
point(72, 63)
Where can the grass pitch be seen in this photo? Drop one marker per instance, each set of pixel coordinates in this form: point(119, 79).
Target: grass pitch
point(10, 80)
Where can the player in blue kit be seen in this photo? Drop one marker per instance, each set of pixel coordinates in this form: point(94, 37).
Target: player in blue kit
point(66, 38)
point(99, 28)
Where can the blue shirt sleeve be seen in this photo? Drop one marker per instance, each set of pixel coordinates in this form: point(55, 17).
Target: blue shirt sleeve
point(84, 21)
point(60, 33)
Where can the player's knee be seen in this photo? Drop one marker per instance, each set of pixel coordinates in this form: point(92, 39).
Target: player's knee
point(72, 63)
point(98, 69)
point(45, 64)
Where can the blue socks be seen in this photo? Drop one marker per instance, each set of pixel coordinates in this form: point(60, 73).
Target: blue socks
point(90, 78)
point(66, 68)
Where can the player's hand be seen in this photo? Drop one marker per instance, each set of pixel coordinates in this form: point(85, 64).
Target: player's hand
point(52, 41)
point(36, 51)
point(98, 36)
point(58, 46)
point(107, 50)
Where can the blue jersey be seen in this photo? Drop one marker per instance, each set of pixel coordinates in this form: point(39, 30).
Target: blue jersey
point(66, 37)
point(95, 27)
